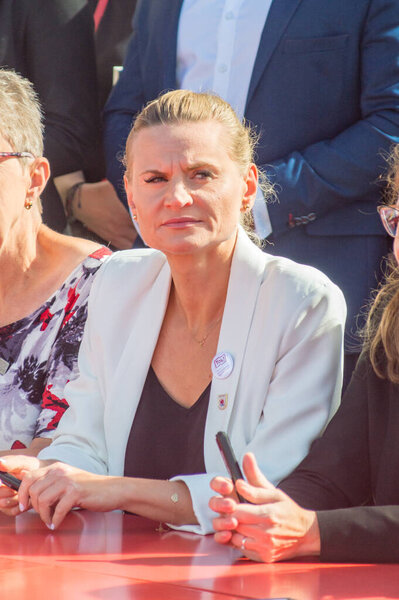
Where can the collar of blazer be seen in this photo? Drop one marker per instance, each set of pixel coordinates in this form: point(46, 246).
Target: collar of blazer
point(247, 270)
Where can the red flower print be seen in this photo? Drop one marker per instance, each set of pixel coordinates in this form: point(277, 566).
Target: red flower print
point(17, 445)
point(45, 318)
point(58, 405)
point(72, 297)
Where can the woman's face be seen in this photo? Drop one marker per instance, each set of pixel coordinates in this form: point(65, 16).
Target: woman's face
point(185, 189)
point(13, 186)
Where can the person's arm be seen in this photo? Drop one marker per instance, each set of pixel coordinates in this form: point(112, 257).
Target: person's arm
point(334, 172)
point(126, 99)
point(61, 64)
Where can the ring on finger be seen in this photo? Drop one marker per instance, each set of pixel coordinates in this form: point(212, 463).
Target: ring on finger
point(243, 542)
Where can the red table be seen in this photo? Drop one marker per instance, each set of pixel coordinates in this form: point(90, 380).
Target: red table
point(115, 556)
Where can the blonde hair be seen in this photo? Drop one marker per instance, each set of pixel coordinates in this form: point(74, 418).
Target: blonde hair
point(20, 114)
point(382, 327)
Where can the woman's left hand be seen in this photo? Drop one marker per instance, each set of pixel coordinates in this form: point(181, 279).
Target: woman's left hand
point(273, 527)
point(54, 490)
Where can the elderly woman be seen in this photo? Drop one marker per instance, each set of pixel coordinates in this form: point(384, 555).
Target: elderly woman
point(44, 283)
point(349, 482)
point(205, 332)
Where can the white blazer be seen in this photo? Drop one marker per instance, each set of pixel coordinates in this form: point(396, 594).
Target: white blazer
point(283, 324)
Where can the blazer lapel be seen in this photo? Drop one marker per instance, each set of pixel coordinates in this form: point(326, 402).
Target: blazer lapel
point(280, 14)
point(133, 366)
point(245, 279)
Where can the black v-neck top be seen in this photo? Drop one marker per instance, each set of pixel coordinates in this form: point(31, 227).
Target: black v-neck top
point(166, 439)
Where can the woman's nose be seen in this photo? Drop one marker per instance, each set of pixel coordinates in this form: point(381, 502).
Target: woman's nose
point(177, 195)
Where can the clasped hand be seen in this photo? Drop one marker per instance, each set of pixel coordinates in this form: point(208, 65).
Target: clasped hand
point(272, 528)
point(54, 488)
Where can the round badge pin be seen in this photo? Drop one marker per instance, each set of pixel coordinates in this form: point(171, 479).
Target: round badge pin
point(222, 365)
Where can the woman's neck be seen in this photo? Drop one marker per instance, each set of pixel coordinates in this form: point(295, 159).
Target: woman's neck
point(200, 284)
point(19, 252)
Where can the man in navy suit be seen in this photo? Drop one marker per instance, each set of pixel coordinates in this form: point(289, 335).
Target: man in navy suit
point(323, 92)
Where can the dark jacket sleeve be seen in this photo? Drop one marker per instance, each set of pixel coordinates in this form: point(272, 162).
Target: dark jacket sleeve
point(333, 172)
point(335, 480)
point(125, 100)
point(59, 47)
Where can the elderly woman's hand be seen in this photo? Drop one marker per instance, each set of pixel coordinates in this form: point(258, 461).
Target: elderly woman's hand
point(17, 465)
point(273, 527)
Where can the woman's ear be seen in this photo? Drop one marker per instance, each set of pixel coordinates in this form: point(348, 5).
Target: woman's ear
point(39, 173)
point(129, 194)
point(250, 189)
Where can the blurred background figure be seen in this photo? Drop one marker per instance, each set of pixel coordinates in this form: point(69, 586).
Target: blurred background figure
point(320, 81)
point(112, 30)
point(51, 43)
point(44, 285)
point(93, 209)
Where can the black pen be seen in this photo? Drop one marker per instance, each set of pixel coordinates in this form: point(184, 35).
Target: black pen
point(11, 481)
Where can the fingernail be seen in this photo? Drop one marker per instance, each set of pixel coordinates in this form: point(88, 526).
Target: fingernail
point(21, 507)
point(50, 526)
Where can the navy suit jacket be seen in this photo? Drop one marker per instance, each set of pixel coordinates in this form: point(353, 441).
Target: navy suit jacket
point(324, 96)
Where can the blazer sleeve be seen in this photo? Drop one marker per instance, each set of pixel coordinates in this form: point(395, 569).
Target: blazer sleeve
point(59, 47)
point(333, 172)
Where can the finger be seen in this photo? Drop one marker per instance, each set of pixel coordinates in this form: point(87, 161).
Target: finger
point(254, 513)
point(223, 523)
point(222, 486)
point(223, 537)
point(63, 507)
point(222, 505)
point(7, 503)
point(16, 464)
point(258, 495)
point(253, 474)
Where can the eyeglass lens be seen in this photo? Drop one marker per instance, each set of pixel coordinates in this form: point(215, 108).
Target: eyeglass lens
point(390, 219)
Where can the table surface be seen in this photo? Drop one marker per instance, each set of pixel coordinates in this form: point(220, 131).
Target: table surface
point(115, 556)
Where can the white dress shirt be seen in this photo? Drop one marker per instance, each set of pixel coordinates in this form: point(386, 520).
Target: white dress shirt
point(217, 44)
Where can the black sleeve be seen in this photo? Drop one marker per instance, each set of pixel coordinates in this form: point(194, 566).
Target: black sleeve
point(59, 48)
point(336, 472)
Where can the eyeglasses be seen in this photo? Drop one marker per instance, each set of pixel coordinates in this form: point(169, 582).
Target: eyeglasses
point(16, 155)
point(390, 218)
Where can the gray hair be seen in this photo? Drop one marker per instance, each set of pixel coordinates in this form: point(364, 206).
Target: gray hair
point(21, 119)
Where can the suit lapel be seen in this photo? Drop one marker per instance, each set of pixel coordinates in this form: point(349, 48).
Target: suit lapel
point(280, 14)
point(245, 280)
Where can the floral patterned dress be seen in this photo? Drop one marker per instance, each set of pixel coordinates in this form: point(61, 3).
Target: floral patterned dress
point(38, 356)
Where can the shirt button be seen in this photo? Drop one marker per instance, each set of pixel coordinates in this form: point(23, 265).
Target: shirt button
point(222, 68)
point(229, 15)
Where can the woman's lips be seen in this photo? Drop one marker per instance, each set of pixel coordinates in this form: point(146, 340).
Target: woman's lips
point(180, 222)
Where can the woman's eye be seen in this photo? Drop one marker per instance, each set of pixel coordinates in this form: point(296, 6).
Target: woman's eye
point(155, 179)
point(203, 174)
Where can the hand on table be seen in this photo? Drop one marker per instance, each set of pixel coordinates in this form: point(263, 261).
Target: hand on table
point(17, 465)
point(98, 207)
point(54, 489)
point(272, 528)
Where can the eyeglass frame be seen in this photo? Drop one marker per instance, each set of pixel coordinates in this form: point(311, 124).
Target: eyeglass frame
point(16, 155)
point(380, 210)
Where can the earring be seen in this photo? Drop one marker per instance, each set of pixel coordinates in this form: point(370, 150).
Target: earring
point(28, 204)
point(134, 217)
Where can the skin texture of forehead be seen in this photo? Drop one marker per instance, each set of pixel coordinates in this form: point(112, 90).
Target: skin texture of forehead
point(182, 133)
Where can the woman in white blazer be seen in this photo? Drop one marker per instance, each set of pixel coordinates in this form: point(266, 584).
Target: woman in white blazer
point(207, 315)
